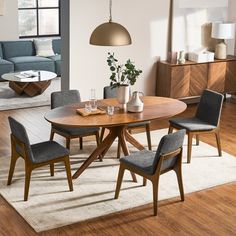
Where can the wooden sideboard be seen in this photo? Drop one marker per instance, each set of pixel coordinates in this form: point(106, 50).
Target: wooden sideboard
point(190, 79)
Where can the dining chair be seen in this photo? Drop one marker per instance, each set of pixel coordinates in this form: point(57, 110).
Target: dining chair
point(150, 165)
point(35, 155)
point(206, 120)
point(109, 92)
point(68, 97)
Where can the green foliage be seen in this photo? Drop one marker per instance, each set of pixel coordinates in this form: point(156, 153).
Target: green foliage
point(125, 74)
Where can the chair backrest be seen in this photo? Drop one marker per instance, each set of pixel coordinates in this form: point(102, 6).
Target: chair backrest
point(19, 132)
point(210, 106)
point(109, 92)
point(168, 144)
point(62, 98)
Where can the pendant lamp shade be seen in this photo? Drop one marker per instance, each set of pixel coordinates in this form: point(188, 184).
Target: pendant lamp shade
point(110, 33)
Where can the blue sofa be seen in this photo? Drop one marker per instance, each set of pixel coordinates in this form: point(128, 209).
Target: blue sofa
point(20, 55)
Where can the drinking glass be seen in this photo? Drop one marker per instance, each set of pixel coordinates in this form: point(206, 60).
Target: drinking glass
point(110, 110)
point(93, 100)
point(88, 107)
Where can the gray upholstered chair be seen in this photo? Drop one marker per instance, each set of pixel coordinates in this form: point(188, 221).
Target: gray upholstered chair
point(62, 98)
point(36, 155)
point(109, 92)
point(206, 120)
point(151, 165)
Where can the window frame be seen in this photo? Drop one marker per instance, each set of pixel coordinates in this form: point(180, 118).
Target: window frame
point(37, 8)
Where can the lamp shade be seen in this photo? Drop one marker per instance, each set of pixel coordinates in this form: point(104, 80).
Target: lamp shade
point(110, 34)
point(223, 30)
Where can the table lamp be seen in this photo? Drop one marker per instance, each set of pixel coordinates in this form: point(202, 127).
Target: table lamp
point(222, 31)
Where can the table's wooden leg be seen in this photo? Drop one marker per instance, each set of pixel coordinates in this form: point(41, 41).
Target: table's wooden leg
point(125, 149)
point(133, 141)
point(123, 135)
point(104, 145)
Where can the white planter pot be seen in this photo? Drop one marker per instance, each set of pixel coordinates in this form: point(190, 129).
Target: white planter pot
point(123, 94)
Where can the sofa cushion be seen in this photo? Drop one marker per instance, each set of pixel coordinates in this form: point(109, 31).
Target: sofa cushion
point(17, 48)
point(56, 45)
point(57, 60)
point(33, 63)
point(1, 54)
point(5, 67)
point(43, 47)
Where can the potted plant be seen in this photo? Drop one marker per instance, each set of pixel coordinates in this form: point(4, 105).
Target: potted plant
point(122, 75)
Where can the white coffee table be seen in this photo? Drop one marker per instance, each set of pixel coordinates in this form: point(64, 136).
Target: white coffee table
point(30, 85)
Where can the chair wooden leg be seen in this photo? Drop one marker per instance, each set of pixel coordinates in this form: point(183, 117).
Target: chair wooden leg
point(80, 143)
point(118, 149)
point(52, 169)
point(189, 152)
point(155, 196)
point(180, 182)
point(102, 134)
point(68, 173)
point(14, 158)
point(68, 143)
point(51, 135)
point(197, 139)
point(217, 134)
point(27, 182)
point(119, 181)
point(148, 136)
point(170, 130)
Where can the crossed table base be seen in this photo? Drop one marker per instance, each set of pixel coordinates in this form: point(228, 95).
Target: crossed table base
point(114, 132)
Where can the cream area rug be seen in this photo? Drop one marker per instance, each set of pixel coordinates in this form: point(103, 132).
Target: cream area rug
point(51, 205)
point(10, 100)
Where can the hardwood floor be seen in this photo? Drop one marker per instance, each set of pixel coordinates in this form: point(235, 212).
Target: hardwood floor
point(208, 212)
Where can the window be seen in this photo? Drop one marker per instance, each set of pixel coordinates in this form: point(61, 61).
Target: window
point(39, 18)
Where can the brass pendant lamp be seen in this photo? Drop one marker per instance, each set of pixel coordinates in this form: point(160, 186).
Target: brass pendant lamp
point(110, 33)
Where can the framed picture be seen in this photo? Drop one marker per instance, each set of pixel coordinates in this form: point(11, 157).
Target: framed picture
point(191, 23)
point(1, 7)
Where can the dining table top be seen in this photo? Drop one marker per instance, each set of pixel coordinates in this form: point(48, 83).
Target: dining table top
point(154, 108)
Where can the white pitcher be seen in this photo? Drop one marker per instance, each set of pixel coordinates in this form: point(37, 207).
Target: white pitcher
point(135, 104)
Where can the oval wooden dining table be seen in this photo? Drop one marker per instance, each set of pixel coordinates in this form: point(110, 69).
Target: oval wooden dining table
point(154, 108)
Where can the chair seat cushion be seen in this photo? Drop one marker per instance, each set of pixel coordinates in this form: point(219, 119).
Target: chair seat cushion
point(142, 160)
point(47, 151)
point(75, 131)
point(192, 124)
point(138, 124)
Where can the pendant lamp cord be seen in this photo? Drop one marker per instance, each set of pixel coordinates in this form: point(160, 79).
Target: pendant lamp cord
point(110, 9)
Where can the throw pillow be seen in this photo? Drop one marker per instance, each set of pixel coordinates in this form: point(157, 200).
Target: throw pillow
point(43, 47)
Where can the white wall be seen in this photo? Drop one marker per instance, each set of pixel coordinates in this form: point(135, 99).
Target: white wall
point(147, 22)
point(232, 18)
point(9, 21)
